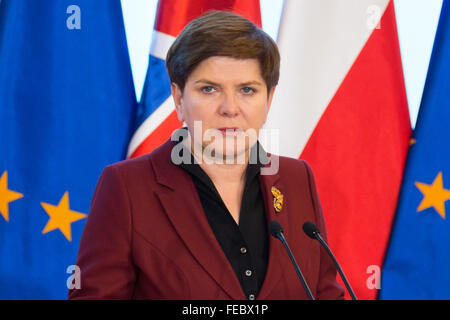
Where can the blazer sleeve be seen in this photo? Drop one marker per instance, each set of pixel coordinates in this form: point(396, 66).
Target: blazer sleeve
point(327, 288)
point(104, 255)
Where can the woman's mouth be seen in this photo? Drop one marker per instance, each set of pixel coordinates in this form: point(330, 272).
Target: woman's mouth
point(230, 131)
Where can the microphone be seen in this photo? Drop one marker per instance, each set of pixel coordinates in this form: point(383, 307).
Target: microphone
point(313, 232)
point(277, 231)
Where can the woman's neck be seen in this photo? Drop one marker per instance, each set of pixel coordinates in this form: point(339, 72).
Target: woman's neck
point(224, 171)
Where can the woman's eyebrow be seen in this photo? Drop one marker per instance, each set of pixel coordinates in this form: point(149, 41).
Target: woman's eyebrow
point(207, 82)
point(247, 83)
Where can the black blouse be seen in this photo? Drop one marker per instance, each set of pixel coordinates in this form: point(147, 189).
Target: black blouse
point(245, 245)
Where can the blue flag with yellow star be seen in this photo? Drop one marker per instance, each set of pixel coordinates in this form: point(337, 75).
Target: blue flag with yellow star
point(67, 106)
point(417, 264)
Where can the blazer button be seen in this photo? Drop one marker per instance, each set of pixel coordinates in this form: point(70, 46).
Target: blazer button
point(248, 273)
point(251, 297)
point(243, 250)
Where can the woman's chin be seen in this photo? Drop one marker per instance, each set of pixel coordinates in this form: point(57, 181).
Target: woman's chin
point(229, 154)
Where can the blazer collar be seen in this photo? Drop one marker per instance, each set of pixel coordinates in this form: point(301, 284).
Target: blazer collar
point(182, 205)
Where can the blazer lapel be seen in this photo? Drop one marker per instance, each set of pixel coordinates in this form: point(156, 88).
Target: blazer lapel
point(277, 252)
point(182, 205)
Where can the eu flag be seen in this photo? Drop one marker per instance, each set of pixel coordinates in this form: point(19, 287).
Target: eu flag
point(417, 264)
point(67, 106)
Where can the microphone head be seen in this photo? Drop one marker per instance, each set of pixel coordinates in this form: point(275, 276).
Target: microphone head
point(311, 230)
point(275, 228)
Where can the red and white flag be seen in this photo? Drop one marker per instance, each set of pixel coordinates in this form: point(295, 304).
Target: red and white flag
point(341, 105)
point(157, 119)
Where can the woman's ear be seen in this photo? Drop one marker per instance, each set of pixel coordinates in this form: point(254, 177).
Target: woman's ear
point(177, 97)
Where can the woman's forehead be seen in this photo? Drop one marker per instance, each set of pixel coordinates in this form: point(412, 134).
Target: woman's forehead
point(218, 68)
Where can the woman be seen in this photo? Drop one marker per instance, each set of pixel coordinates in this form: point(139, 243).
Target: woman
point(189, 220)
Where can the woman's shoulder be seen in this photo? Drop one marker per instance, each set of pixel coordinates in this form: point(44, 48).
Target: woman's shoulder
point(160, 154)
point(290, 166)
point(129, 167)
point(141, 168)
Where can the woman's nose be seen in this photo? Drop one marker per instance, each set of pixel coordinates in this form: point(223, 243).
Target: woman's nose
point(229, 106)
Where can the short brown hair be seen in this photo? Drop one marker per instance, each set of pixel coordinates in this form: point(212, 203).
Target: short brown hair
point(222, 33)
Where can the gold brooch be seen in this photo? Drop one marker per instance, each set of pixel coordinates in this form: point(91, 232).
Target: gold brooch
point(277, 199)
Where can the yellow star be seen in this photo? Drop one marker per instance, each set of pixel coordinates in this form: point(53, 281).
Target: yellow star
point(434, 195)
point(61, 216)
point(6, 196)
point(412, 141)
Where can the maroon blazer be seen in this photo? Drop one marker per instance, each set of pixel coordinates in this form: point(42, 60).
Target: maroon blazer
point(147, 237)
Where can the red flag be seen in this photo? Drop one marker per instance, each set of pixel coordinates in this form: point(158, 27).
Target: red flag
point(341, 105)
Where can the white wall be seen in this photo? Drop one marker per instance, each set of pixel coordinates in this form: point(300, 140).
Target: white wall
point(416, 22)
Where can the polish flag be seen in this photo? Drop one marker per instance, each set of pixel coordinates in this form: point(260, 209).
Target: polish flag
point(341, 105)
point(157, 118)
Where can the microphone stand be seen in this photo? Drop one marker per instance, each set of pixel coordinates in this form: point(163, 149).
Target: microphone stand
point(341, 273)
point(280, 236)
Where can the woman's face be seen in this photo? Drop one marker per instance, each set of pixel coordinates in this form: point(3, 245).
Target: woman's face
point(229, 97)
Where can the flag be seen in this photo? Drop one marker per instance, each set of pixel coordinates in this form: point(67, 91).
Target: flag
point(341, 105)
point(156, 117)
point(67, 109)
point(418, 260)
